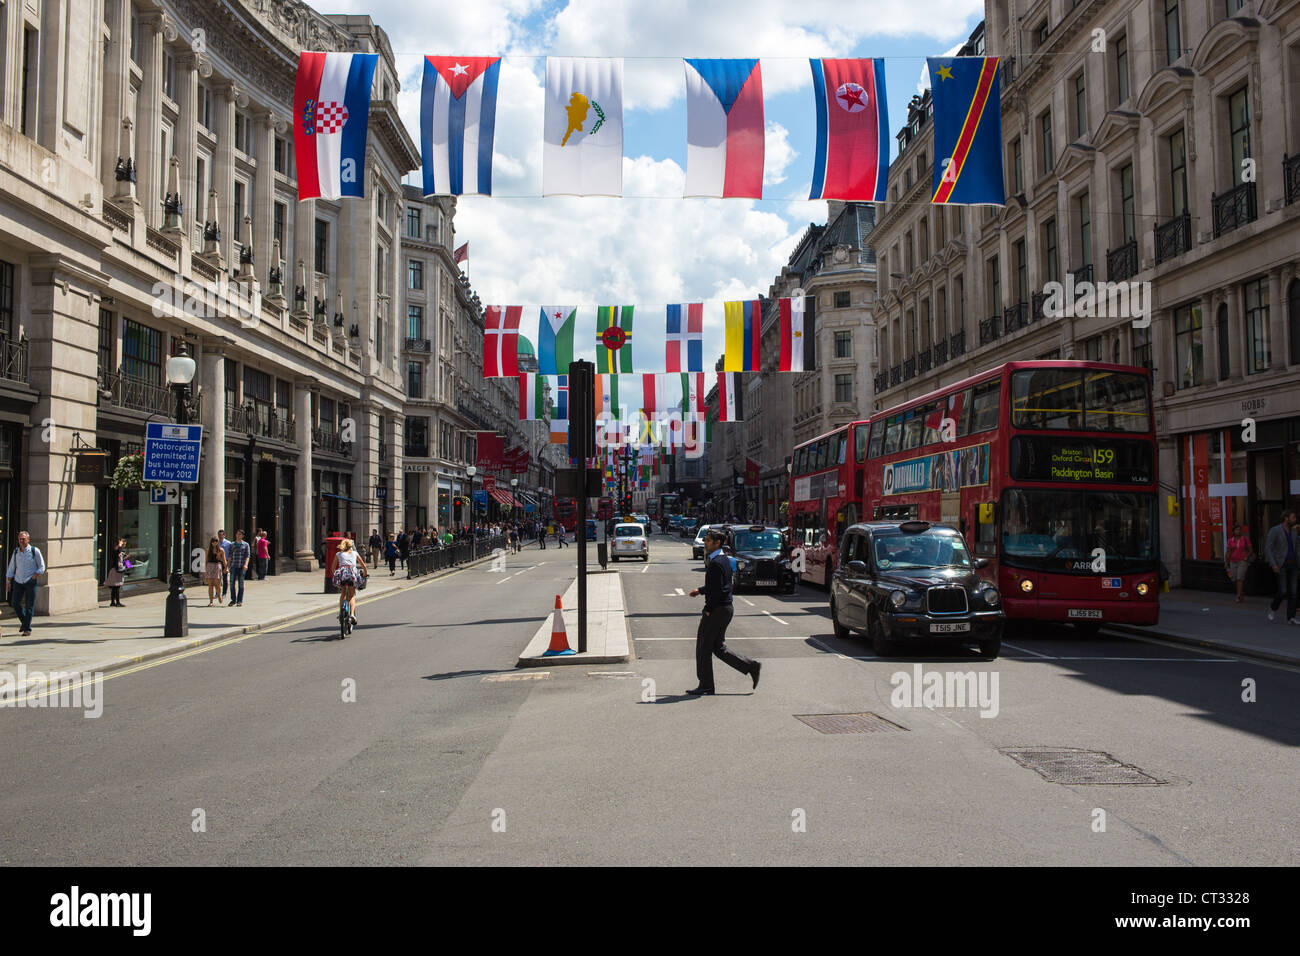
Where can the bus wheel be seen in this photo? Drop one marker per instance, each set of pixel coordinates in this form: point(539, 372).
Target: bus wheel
point(882, 646)
point(1088, 628)
point(842, 632)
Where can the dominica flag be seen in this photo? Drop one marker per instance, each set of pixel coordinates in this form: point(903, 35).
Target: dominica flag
point(555, 328)
point(743, 321)
point(967, 130)
point(614, 338)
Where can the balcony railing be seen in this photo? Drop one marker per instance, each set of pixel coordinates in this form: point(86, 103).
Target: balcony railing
point(1037, 306)
point(326, 439)
point(909, 368)
point(261, 420)
point(1291, 175)
point(923, 361)
point(14, 359)
point(1234, 208)
point(1082, 274)
point(989, 329)
point(417, 345)
point(136, 394)
point(1174, 237)
point(1122, 262)
point(896, 375)
point(957, 343)
point(940, 352)
point(1015, 317)
point(384, 449)
point(882, 381)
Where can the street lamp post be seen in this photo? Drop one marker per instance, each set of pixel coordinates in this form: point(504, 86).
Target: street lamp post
point(180, 372)
point(471, 471)
point(514, 498)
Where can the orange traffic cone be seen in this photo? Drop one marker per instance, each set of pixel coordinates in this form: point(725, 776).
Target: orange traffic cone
point(559, 637)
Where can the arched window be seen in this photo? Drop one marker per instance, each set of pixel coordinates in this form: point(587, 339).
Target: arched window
point(1293, 319)
point(1225, 359)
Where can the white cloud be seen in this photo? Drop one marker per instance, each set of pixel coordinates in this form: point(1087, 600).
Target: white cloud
point(777, 153)
point(923, 81)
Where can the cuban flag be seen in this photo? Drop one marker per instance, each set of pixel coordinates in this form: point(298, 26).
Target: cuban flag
point(684, 346)
point(792, 335)
point(331, 114)
point(458, 113)
point(852, 156)
point(724, 128)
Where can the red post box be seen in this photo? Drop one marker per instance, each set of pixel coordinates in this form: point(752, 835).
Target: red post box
point(331, 547)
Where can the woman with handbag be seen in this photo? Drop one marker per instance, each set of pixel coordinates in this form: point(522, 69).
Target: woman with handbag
point(1237, 558)
point(214, 568)
point(117, 574)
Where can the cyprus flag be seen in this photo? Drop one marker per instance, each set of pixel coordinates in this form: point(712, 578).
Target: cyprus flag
point(582, 154)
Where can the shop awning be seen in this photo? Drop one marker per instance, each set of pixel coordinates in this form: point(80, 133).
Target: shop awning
point(503, 497)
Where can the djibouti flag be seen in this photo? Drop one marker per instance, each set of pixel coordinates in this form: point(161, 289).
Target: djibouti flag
point(555, 338)
point(614, 338)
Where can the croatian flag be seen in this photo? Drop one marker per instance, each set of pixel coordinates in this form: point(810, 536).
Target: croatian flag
point(331, 111)
point(501, 341)
point(458, 113)
point(724, 128)
point(684, 348)
point(792, 334)
point(852, 156)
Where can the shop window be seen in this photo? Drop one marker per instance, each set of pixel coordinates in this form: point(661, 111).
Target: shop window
point(1189, 346)
point(1225, 344)
point(1259, 350)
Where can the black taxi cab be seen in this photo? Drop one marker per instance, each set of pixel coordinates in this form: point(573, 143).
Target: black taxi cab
point(761, 554)
point(913, 581)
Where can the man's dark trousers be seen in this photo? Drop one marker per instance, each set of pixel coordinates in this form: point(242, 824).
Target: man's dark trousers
point(710, 642)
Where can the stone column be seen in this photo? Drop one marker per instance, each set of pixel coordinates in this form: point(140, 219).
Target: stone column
point(117, 73)
point(1234, 297)
point(261, 196)
point(149, 118)
point(63, 329)
point(304, 557)
point(1277, 339)
point(223, 162)
point(212, 472)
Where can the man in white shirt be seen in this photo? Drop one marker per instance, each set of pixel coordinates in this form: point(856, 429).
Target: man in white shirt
point(25, 566)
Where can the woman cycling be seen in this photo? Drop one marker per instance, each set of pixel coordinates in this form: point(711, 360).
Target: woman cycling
point(347, 569)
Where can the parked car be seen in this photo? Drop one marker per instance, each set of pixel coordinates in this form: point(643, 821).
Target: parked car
point(913, 581)
point(762, 556)
point(687, 529)
point(630, 541)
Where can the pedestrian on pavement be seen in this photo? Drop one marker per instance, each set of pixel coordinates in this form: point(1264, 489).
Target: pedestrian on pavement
point(119, 564)
point(241, 556)
point(541, 535)
point(26, 564)
point(403, 547)
point(560, 535)
point(391, 552)
point(214, 569)
point(1237, 558)
point(710, 638)
point(225, 573)
point(376, 547)
point(263, 548)
point(1280, 549)
point(416, 537)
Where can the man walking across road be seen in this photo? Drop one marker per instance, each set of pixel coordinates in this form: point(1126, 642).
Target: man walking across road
point(1280, 549)
point(26, 564)
point(710, 638)
point(240, 558)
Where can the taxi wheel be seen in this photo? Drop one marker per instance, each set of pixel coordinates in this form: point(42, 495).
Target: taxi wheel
point(842, 632)
point(882, 646)
point(830, 571)
point(991, 648)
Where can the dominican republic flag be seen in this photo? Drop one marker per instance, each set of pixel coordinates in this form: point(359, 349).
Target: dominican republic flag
point(458, 114)
point(331, 110)
point(729, 397)
point(684, 346)
point(967, 130)
point(532, 396)
point(501, 341)
point(743, 322)
point(792, 335)
point(560, 413)
point(852, 156)
point(724, 128)
point(555, 327)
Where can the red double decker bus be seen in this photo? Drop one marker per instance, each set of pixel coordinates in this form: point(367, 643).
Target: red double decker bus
point(826, 484)
point(1048, 468)
point(566, 513)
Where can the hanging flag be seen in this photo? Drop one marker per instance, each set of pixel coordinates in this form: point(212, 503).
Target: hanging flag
point(693, 396)
point(614, 338)
point(724, 128)
point(458, 112)
point(608, 408)
point(729, 397)
point(532, 396)
point(967, 129)
point(560, 413)
point(331, 109)
point(684, 347)
point(582, 151)
point(792, 335)
point(501, 341)
point(751, 472)
point(555, 338)
point(461, 254)
point(744, 322)
point(852, 155)
point(649, 397)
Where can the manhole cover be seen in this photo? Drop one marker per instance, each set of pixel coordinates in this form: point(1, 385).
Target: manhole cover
point(848, 723)
point(526, 675)
point(1065, 765)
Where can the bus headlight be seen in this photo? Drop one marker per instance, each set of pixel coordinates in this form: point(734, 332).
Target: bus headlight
point(1027, 586)
point(1143, 588)
point(897, 598)
point(990, 595)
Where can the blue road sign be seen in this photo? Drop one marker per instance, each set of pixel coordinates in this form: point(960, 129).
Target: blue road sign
point(171, 452)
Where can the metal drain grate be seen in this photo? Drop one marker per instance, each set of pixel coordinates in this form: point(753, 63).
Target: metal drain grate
point(848, 723)
point(526, 675)
point(1068, 765)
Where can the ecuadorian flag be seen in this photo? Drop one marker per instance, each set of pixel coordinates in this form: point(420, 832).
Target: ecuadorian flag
point(967, 130)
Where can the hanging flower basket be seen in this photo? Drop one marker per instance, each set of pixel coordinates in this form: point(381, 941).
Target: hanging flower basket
point(129, 474)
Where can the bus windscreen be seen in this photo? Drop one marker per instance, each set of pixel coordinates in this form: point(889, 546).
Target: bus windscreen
point(1080, 400)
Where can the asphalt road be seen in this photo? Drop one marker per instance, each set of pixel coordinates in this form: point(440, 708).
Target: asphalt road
point(448, 754)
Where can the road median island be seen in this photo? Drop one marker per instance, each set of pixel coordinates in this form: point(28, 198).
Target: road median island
point(607, 637)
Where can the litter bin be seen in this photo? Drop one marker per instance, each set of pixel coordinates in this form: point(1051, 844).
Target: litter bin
point(602, 554)
point(331, 546)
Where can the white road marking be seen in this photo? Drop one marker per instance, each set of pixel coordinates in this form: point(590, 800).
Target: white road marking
point(730, 637)
point(749, 602)
point(646, 568)
point(680, 592)
point(1028, 651)
point(775, 618)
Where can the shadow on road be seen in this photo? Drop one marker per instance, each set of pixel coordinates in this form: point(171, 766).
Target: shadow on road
point(450, 675)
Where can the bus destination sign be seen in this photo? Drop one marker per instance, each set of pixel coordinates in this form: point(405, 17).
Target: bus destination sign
point(1069, 460)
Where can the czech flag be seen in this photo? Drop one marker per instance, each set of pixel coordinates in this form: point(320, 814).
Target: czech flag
point(792, 335)
point(501, 341)
point(967, 130)
point(331, 110)
point(744, 322)
point(724, 128)
point(852, 156)
point(458, 112)
point(684, 346)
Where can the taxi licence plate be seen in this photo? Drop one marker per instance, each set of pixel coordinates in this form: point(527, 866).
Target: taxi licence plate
point(1086, 613)
point(765, 583)
point(953, 628)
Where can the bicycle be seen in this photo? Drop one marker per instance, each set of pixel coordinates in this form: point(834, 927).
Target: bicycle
point(345, 620)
